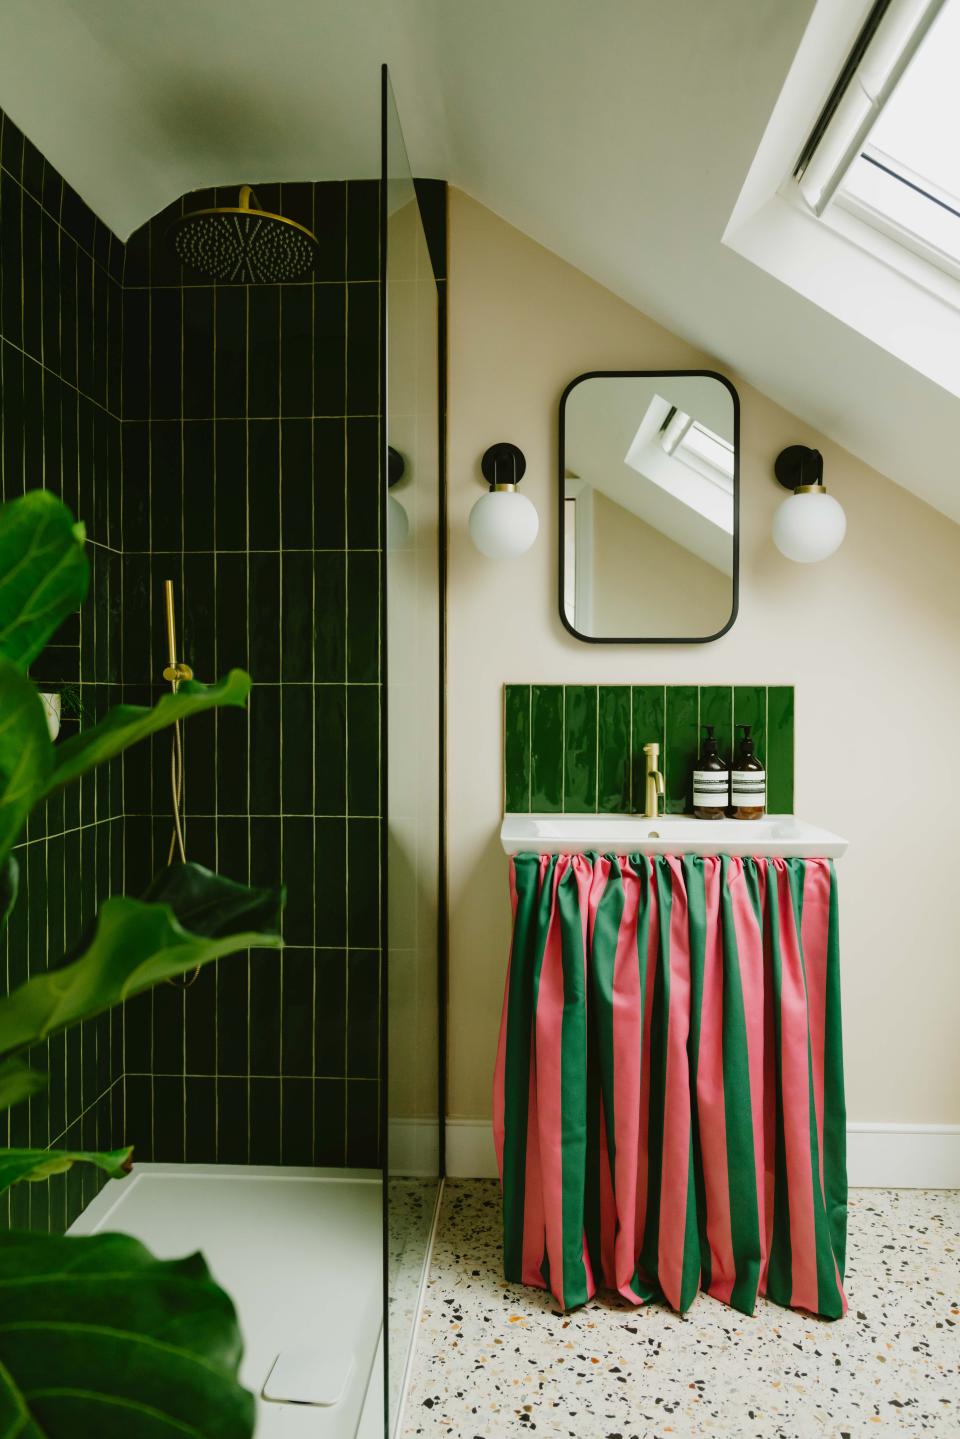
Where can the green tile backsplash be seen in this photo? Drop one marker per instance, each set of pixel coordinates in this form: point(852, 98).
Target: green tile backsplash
point(579, 748)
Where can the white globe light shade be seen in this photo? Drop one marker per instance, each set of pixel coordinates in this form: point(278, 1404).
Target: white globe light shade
point(809, 527)
point(503, 524)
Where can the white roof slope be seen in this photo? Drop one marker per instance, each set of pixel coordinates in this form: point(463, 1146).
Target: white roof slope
point(617, 133)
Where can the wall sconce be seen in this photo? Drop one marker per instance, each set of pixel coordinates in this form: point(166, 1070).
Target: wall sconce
point(503, 523)
point(398, 521)
point(811, 524)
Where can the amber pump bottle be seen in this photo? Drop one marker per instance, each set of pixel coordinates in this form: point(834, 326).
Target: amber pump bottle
point(711, 781)
point(748, 781)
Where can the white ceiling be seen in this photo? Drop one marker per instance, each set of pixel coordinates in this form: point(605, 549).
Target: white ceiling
point(618, 133)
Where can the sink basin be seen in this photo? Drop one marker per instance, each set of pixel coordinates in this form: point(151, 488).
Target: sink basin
point(775, 835)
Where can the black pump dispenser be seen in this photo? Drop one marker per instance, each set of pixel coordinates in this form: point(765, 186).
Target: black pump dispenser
point(748, 781)
point(711, 780)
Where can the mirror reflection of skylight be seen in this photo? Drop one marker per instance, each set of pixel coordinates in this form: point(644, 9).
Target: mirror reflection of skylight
point(682, 456)
point(905, 180)
point(693, 444)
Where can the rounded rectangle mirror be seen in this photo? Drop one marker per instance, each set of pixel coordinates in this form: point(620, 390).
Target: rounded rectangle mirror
point(649, 506)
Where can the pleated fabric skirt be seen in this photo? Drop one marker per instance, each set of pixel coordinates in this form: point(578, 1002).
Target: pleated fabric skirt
point(668, 1099)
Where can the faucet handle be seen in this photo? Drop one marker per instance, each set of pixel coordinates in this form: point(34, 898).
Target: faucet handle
point(652, 750)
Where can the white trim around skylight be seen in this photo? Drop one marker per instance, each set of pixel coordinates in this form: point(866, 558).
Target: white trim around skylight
point(899, 95)
point(867, 278)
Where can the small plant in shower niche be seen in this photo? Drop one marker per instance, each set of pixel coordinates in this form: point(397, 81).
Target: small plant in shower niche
point(112, 1340)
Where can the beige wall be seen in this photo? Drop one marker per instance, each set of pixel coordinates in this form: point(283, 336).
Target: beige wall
point(870, 638)
point(644, 584)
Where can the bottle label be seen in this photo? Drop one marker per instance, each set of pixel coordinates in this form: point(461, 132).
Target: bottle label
point(710, 789)
point(748, 788)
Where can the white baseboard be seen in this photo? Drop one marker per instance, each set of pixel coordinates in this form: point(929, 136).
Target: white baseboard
point(470, 1152)
point(414, 1147)
point(879, 1156)
point(903, 1156)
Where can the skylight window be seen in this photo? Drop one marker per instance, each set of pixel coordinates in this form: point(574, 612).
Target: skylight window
point(906, 179)
point(885, 151)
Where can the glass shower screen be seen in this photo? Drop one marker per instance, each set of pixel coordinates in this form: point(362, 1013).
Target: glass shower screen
point(410, 541)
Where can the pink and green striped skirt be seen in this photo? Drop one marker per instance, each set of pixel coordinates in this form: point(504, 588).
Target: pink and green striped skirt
point(668, 1100)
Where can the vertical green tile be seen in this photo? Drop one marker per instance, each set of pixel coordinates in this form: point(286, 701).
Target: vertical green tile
point(780, 749)
point(683, 743)
point(750, 707)
point(546, 748)
point(648, 720)
point(613, 749)
point(580, 749)
point(716, 708)
point(516, 748)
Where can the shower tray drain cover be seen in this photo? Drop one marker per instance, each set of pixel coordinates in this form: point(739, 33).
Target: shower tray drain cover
point(309, 1375)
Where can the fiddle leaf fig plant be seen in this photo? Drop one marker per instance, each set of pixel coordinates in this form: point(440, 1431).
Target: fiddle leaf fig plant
point(100, 1338)
point(97, 1336)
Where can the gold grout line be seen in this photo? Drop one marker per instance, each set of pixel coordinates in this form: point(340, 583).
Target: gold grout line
point(69, 384)
point(82, 249)
point(86, 1110)
point(346, 667)
point(313, 700)
point(181, 641)
point(227, 418)
point(261, 284)
point(280, 696)
point(221, 1074)
point(216, 725)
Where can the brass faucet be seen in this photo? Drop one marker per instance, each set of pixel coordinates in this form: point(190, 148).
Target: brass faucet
point(653, 785)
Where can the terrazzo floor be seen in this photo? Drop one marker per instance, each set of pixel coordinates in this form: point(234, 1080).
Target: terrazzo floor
point(410, 1209)
point(495, 1359)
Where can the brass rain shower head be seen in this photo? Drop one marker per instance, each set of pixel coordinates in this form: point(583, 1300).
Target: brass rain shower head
point(243, 243)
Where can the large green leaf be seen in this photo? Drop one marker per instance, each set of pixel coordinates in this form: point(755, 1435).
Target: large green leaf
point(32, 768)
point(43, 573)
point(18, 1081)
point(126, 724)
point(134, 946)
point(97, 1337)
point(211, 904)
point(35, 1164)
point(26, 754)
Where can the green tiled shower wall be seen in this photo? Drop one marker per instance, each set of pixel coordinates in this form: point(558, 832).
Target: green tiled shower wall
point(579, 748)
point(224, 437)
point(60, 381)
point(251, 432)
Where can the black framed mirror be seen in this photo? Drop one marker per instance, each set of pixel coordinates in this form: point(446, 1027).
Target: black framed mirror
point(649, 506)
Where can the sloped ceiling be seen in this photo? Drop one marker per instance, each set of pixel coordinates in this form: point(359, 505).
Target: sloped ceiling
point(617, 133)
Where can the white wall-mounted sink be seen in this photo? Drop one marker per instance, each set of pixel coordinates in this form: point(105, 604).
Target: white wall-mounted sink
point(775, 835)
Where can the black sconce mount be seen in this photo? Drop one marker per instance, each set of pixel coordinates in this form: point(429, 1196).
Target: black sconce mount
point(503, 466)
point(799, 468)
point(396, 467)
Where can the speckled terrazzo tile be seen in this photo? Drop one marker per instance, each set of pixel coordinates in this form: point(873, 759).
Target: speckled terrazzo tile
point(495, 1359)
point(410, 1210)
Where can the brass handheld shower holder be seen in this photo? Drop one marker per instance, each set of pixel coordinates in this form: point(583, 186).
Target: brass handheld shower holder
point(175, 673)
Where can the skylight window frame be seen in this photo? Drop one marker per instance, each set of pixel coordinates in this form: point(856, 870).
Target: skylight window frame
point(884, 224)
point(887, 42)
